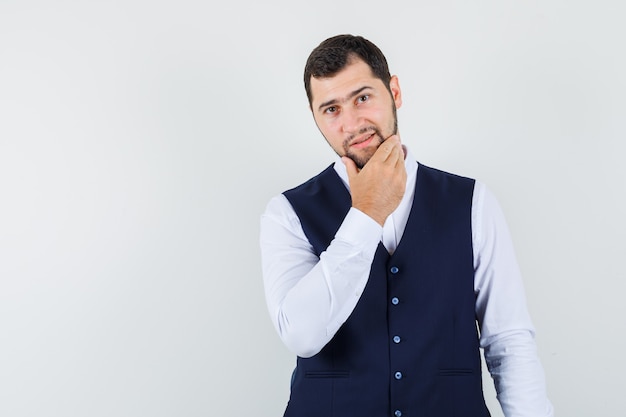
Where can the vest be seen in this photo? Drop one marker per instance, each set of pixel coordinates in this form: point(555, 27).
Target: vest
point(410, 347)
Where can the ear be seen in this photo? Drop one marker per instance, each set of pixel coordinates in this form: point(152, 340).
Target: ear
point(396, 93)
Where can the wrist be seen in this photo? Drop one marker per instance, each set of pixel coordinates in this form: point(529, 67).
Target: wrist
point(372, 213)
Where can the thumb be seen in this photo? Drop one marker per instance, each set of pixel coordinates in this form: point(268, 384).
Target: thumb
point(350, 167)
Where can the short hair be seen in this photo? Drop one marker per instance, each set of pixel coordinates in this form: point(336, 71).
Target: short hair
point(335, 53)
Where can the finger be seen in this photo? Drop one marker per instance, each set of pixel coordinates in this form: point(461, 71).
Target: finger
point(396, 154)
point(386, 148)
point(351, 167)
point(401, 160)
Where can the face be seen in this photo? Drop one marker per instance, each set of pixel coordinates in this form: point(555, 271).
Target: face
point(355, 111)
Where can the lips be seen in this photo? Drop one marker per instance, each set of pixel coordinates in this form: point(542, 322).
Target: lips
point(363, 141)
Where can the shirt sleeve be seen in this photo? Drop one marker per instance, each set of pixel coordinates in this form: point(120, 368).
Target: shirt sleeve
point(506, 330)
point(310, 297)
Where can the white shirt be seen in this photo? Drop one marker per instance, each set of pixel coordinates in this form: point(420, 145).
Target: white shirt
point(310, 297)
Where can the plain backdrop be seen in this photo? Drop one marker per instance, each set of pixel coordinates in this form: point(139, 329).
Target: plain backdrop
point(141, 140)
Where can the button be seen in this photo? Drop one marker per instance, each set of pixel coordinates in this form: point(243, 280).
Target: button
point(396, 339)
point(395, 301)
point(394, 270)
point(398, 413)
point(398, 375)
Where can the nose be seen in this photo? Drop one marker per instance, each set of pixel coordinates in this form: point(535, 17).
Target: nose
point(351, 120)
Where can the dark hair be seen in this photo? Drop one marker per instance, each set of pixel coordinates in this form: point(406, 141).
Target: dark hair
point(333, 54)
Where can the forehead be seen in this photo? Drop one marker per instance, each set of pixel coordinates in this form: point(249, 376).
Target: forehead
point(355, 75)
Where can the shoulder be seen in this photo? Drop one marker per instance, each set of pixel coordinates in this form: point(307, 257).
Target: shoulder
point(438, 174)
point(444, 183)
point(280, 207)
point(313, 183)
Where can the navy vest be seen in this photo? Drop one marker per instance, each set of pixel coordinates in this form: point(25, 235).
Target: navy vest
point(410, 347)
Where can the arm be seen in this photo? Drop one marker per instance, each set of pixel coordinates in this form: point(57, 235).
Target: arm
point(507, 332)
point(308, 297)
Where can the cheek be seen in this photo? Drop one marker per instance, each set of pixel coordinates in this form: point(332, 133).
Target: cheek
point(374, 115)
point(330, 132)
point(384, 117)
point(386, 113)
point(330, 128)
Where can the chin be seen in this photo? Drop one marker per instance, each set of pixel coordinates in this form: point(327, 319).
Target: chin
point(361, 159)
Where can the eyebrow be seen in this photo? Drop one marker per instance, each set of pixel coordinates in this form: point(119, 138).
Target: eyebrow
point(348, 97)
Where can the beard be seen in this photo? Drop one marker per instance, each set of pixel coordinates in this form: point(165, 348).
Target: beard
point(361, 158)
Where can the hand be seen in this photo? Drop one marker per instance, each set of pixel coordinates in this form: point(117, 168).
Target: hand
point(377, 189)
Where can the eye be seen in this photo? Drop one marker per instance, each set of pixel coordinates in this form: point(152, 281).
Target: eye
point(330, 110)
point(363, 98)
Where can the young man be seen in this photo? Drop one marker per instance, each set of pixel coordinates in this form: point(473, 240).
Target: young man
point(378, 270)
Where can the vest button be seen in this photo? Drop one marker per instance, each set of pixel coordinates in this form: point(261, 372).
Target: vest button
point(397, 413)
point(394, 269)
point(398, 375)
point(395, 301)
point(396, 339)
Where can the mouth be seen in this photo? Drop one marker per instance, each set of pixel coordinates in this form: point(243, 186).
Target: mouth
point(363, 142)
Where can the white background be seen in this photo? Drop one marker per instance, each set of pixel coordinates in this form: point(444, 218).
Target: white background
point(140, 141)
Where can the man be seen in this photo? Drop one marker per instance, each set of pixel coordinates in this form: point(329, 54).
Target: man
point(378, 270)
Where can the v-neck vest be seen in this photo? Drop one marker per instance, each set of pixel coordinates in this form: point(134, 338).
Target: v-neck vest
point(410, 346)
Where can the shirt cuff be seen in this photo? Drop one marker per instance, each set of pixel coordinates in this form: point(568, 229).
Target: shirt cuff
point(359, 229)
